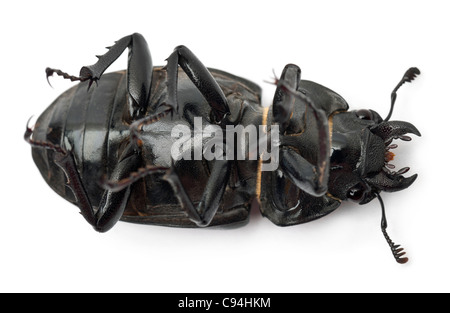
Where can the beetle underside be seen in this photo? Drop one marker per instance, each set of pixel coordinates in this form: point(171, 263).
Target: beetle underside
point(108, 149)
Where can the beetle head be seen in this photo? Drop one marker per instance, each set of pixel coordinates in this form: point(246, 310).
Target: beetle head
point(361, 141)
point(360, 156)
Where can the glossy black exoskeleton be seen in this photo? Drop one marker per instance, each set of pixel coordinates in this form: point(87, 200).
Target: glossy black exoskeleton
point(108, 149)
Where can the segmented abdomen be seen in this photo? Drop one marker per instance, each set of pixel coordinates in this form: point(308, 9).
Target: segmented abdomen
point(90, 124)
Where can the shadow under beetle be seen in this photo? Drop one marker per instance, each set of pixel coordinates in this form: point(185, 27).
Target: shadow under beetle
point(118, 133)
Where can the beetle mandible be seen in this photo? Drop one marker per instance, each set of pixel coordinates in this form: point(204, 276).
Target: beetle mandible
point(107, 149)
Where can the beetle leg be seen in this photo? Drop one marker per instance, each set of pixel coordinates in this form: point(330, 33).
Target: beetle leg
point(112, 205)
point(312, 178)
point(65, 160)
point(139, 74)
point(283, 103)
point(114, 201)
point(211, 198)
point(137, 125)
point(201, 78)
point(41, 144)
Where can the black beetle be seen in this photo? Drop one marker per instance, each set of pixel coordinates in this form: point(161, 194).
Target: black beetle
point(109, 150)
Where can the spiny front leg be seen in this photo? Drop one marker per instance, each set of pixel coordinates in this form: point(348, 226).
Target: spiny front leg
point(139, 72)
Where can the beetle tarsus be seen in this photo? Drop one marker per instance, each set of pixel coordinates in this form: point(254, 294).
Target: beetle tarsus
point(50, 71)
point(41, 144)
point(136, 126)
point(273, 80)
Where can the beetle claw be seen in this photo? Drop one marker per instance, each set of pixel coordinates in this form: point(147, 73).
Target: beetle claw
point(49, 72)
point(28, 124)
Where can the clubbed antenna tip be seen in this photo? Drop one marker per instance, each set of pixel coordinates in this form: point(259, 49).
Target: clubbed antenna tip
point(397, 251)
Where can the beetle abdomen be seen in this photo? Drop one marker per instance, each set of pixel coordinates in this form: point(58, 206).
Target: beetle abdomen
point(94, 125)
point(89, 123)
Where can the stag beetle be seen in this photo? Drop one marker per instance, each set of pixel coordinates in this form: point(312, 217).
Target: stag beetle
point(107, 149)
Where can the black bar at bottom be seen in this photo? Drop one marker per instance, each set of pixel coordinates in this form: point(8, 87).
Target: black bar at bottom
point(223, 302)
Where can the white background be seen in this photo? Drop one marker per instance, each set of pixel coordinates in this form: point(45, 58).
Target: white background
point(359, 49)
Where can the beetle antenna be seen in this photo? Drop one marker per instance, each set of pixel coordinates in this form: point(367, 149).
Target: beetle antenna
point(397, 251)
point(409, 76)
